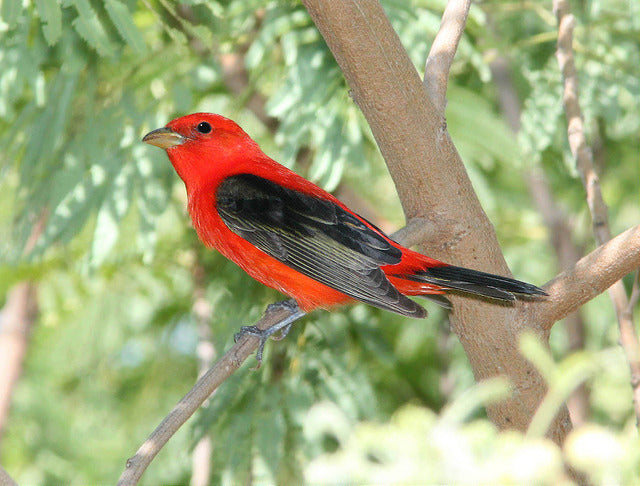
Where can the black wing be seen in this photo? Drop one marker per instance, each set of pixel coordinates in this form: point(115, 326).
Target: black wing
point(315, 237)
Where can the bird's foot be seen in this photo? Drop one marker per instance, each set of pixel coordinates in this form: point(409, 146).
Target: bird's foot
point(283, 326)
point(290, 305)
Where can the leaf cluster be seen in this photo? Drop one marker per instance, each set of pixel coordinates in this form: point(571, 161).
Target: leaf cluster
point(361, 390)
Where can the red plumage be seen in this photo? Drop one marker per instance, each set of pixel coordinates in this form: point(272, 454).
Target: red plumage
point(292, 235)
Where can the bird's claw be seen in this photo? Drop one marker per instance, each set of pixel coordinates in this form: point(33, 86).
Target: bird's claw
point(276, 332)
point(290, 305)
point(262, 335)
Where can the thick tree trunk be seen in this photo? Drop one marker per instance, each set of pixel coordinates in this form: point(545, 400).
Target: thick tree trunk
point(434, 189)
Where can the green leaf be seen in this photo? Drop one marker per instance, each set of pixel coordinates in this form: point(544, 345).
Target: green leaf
point(270, 430)
point(46, 131)
point(117, 200)
point(490, 140)
point(122, 19)
point(152, 200)
point(481, 394)
point(71, 212)
point(51, 16)
point(239, 431)
point(542, 111)
point(88, 25)
point(177, 35)
point(9, 11)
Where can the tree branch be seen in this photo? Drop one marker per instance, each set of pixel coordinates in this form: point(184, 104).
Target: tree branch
point(635, 295)
point(423, 161)
point(577, 141)
point(203, 388)
point(443, 50)
point(429, 174)
point(569, 290)
point(554, 217)
point(416, 232)
point(567, 254)
point(591, 276)
point(584, 163)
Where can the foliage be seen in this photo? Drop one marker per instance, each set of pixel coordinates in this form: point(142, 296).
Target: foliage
point(363, 391)
point(416, 446)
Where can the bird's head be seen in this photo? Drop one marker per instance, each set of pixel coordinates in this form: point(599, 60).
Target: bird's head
point(199, 144)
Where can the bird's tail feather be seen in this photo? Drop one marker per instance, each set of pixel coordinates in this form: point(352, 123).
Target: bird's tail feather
point(475, 282)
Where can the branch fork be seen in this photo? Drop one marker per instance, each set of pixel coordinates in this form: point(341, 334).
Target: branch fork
point(384, 83)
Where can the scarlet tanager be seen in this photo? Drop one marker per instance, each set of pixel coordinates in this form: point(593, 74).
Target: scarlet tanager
point(293, 236)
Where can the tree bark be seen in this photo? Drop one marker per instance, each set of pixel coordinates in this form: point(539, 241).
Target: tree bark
point(586, 168)
point(443, 214)
point(433, 186)
point(555, 219)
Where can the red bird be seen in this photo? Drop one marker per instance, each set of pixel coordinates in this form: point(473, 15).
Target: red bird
point(295, 237)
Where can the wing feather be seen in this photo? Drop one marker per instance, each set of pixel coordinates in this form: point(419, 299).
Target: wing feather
point(314, 236)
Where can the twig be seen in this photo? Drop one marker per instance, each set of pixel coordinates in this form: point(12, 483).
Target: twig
point(359, 46)
point(591, 276)
point(577, 141)
point(432, 183)
point(635, 295)
point(443, 50)
point(597, 207)
point(203, 388)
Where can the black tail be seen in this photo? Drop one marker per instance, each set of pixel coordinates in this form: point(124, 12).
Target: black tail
point(475, 282)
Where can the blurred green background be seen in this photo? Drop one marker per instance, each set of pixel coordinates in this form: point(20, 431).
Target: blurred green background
point(95, 222)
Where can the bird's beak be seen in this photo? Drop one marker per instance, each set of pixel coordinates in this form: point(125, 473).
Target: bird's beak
point(164, 138)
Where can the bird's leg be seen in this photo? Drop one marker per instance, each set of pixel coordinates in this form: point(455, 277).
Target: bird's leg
point(292, 307)
point(283, 326)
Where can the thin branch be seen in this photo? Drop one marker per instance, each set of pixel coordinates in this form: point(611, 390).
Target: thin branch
point(433, 184)
point(635, 295)
point(576, 286)
point(443, 50)
point(358, 32)
point(591, 276)
point(584, 163)
point(187, 406)
point(577, 141)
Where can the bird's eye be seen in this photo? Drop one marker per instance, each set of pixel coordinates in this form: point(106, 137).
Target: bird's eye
point(204, 127)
